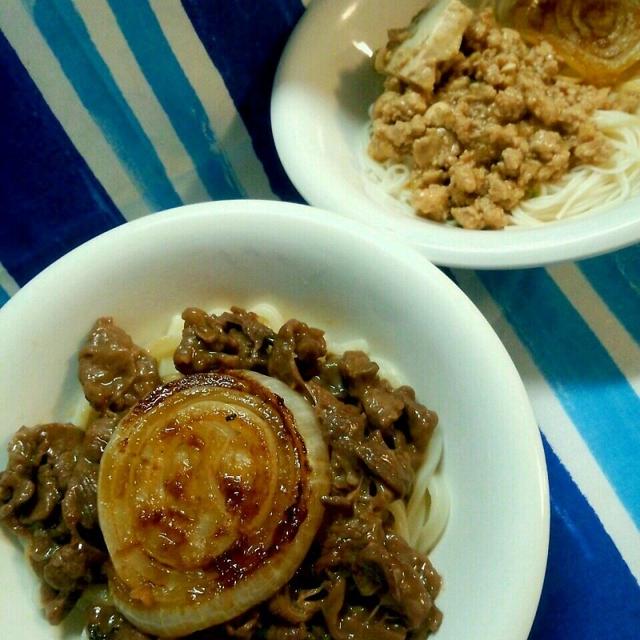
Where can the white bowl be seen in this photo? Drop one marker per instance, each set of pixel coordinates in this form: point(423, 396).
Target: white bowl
point(330, 272)
point(322, 91)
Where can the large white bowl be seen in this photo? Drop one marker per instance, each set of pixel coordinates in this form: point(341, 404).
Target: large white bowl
point(334, 274)
point(322, 91)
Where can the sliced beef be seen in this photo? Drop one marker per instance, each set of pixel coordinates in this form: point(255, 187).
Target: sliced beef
point(41, 463)
point(360, 580)
point(296, 609)
point(48, 495)
point(420, 420)
point(296, 352)
point(281, 632)
point(392, 466)
point(233, 340)
point(244, 627)
point(107, 623)
point(97, 436)
point(113, 371)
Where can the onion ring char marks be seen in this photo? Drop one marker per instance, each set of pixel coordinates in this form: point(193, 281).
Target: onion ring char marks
point(209, 498)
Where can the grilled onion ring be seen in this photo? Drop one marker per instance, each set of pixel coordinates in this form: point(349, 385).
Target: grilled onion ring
point(209, 497)
point(599, 39)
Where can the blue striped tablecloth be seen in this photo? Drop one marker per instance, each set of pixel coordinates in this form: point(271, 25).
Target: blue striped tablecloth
point(114, 109)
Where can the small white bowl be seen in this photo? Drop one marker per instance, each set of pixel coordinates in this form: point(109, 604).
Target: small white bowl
point(322, 91)
point(332, 273)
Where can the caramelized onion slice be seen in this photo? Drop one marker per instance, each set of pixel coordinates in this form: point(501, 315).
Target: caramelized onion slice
point(599, 39)
point(433, 36)
point(209, 498)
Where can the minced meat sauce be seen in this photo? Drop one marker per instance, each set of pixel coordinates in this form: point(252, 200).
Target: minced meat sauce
point(497, 121)
point(359, 580)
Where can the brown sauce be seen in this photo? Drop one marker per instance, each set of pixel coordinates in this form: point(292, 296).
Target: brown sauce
point(359, 579)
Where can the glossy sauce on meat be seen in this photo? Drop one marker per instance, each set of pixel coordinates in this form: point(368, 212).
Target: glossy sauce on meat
point(359, 580)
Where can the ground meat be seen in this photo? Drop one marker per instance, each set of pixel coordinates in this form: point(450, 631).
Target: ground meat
point(437, 147)
point(498, 121)
point(114, 372)
point(389, 108)
point(433, 202)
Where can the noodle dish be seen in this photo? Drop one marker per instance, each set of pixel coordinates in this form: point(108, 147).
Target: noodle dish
point(444, 116)
point(261, 440)
point(495, 129)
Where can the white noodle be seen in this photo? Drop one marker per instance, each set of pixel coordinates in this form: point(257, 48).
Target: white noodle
point(428, 507)
point(584, 189)
point(438, 515)
point(588, 188)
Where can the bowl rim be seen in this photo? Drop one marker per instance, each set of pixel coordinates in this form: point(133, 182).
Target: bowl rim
point(408, 257)
point(570, 239)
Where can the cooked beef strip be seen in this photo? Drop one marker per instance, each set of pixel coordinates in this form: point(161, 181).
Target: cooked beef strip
point(107, 623)
point(232, 340)
point(113, 371)
point(41, 463)
point(295, 354)
point(48, 496)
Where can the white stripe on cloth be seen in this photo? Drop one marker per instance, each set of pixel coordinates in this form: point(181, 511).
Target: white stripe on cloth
point(86, 136)
point(115, 51)
point(209, 86)
point(560, 431)
point(7, 282)
point(621, 346)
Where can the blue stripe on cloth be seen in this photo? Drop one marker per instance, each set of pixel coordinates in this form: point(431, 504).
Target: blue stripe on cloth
point(576, 364)
point(449, 273)
point(4, 296)
point(244, 39)
point(50, 200)
point(588, 592)
point(616, 278)
point(66, 34)
point(180, 102)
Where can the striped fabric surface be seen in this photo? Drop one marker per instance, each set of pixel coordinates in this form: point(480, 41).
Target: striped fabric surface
point(114, 109)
